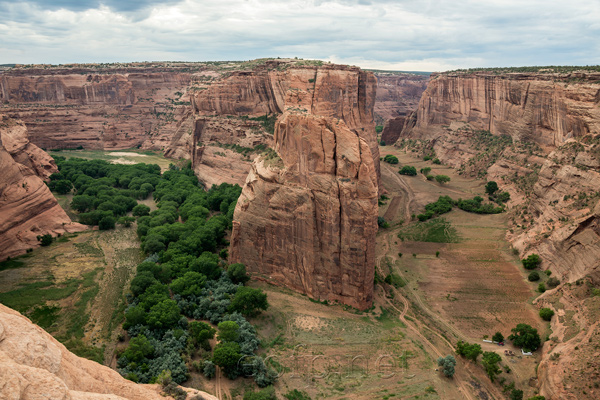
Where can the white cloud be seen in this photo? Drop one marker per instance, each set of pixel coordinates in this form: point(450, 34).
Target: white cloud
point(403, 34)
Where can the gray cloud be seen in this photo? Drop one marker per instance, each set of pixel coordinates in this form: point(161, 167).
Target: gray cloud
point(405, 34)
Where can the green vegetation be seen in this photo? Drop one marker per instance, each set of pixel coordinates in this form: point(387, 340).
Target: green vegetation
point(553, 282)
point(437, 230)
point(533, 276)
point(491, 187)
point(541, 287)
point(390, 159)
point(382, 223)
point(425, 171)
point(468, 350)
point(267, 121)
point(551, 69)
point(532, 261)
point(45, 240)
point(498, 337)
point(441, 179)
point(264, 394)
point(490, 362)
point(516, 394)
point(525, 336)
point(448, 365)
point(444, 204)
point(11, 264)
point(378, 128)
point(395, 280)
point(408, 170)
point(296, 395)
point(546, 314)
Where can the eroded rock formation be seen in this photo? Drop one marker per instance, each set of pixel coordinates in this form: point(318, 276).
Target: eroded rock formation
point(34, 365)
point(544, 108)
point(27, 207)
point(307, 216)
point(398, 94)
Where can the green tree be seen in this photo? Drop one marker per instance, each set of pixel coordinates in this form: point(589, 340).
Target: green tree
point(533, 276)
point(491, 187)
point(425, 171)
point(266, 394)
point(531, 262)
point(227, 355)
point(189, 284)
point(200, 332)
point(126, 221)
point(441, 179)
point(82, 203)
point(490, 362)
point(537, 398)
point(553, 282)
point(139, 349)
point(468, 350)
point(525, 336)
point(248, 301)
point(63, 186)
point(498, 337)
point(229, 331)
point(45, 240)
point(447, 364)
point(390, 159)
point(541, 287)
point(408, 170)
point(140, 210)
point(164, 314)
point(516, 394)
point(546, 314)
point(107, 223)
point(237, 273)
point(296, 395)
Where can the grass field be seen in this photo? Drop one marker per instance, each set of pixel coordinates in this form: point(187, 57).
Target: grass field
point(75, 287)
point(131, 156)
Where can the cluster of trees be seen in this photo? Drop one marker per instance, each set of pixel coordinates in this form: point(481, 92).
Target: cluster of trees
point(408, 170)
point(390, 159)
point(186, 281)
point(444, 204)
point(491, 188)
point(103, 191)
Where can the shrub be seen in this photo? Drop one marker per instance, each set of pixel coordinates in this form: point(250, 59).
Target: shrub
point(425, 171)
point(534, 276)
point(516, 394)
point(140, 210)
point(546, 314)
point(237, 273)
point(468, 350)
point(45, 240)
point(382, 223)
point(408, 170)
point(441, 179)
point(490, 362)
point(532, 261)
point(491, 187)
point(447, 364)
point(430, 177)
point(553, 282)
point(541, 287)
point(390, 159)
point(107, 223)
point(525, 336)
point(498, 337)
point(436, 161)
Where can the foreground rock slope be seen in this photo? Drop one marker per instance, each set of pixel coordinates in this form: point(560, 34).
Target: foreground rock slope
point(27, 207)
point(34, 365)
point(307, 216)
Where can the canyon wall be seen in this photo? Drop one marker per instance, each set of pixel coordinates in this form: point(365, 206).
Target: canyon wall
point(34, 365)
point(543, 108)
point(27, 207)
point(307, 216)
point(99, 108)
point(538, 136)
point(398, 94)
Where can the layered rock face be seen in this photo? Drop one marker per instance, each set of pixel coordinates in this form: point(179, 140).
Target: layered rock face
point(121, 108)
point(27, 207)
point(307, 221)
point(34, 365)
point(544, 108)
point(398, 95)
point(307, 216)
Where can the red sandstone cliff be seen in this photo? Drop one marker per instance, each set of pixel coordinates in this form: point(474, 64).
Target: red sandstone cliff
point(398, 95)
point(34, 365)
point(307, 215)
point(96, 108)
point(544, 108)
point(552, 171)
point(27, 207)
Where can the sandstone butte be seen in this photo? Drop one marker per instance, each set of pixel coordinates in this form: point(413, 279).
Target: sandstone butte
point(307, 216)
point(561, 114)
point(27, 207)
point(34, 365)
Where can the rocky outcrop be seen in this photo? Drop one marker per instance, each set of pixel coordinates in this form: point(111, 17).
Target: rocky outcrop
point(227, 109)
point(398, 94)
point(307, 217)
point(27, 207)
point(99, 108)
point(392, 130)
point(546, 109)
point(34, 365)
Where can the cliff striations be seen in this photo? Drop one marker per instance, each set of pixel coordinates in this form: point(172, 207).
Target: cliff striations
point(538, 136)
point(398, 94)
point(34, 365)
point(27, 207)
point(543, 108)
point(307, 216)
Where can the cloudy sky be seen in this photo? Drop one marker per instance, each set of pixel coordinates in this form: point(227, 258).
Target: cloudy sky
point(423, 35)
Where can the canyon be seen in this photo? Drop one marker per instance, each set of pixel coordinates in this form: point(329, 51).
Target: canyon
point(27, 207)
point(536, 134)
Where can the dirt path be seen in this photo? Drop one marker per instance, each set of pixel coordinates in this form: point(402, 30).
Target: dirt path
point(400, 190)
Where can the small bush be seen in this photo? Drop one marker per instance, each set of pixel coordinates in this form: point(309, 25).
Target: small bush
point(45, 240)
point(532, 261)
point(541, 287)
point(546, 314)
point(553, 282)
point(534, 276)
point(390, 159)
point(408, 170)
